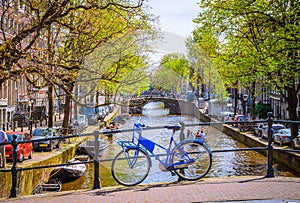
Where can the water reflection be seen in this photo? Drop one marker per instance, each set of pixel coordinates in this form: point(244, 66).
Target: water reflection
point(224, 164)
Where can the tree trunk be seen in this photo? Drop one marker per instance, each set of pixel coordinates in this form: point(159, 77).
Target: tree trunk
point(253, 98)
point(235, 100)
point(292, 108)
point(50, 106)
point(65, 123)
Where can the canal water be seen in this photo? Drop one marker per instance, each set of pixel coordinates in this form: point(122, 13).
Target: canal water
point(225, 164)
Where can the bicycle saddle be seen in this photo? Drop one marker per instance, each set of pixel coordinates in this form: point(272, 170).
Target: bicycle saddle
point(174, 127)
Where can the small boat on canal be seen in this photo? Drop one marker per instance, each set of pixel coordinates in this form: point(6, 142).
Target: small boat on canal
point(54, 186)
point(68, 173)
point(108, 130)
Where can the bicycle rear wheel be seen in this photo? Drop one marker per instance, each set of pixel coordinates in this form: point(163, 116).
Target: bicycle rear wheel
point(131, 167)
point(199, 153)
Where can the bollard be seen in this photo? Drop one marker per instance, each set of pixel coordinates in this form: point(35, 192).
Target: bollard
point(182, 136)
point(270, 170)
point(14, 171)
point(15, 126)
point(96, 160)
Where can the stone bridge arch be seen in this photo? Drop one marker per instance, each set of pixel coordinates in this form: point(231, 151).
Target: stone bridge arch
point(179, 107)
point(136, 104)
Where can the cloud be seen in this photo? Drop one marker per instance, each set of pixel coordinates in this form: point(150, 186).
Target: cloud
point(176, 15)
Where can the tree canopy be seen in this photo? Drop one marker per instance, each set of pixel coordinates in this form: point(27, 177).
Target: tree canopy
point(258, 43)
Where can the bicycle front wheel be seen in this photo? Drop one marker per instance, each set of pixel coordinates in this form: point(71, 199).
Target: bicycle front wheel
point(131, 167)
point(192, 160)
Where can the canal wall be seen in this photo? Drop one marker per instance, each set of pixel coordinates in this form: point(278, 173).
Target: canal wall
point(27, 180)
point(290, 160)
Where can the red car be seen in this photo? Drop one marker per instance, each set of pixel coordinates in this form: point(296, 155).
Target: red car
point(25, 150)
point(238, 118)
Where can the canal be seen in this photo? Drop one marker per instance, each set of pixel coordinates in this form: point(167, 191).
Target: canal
point(225, 164)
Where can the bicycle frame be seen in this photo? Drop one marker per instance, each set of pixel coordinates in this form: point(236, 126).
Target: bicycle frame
point(141, 143)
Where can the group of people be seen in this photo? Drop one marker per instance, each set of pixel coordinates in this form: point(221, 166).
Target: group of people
point(3, 138)
point(198, 135)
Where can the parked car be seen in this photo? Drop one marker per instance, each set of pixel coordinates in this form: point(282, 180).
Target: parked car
point(283, 136)
point(44, 133)
point(25, 150)
point(201, 103)
point(229, 117)
point(275, 128)
point(238, 118)
point(226, 116)
point(296, 142)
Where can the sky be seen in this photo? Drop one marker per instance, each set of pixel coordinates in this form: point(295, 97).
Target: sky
point(176, 15)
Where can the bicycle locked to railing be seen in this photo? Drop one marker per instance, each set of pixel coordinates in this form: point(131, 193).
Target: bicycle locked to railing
point(190, 159)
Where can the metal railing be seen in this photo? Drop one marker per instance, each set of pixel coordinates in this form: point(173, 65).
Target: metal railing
point(14, 170)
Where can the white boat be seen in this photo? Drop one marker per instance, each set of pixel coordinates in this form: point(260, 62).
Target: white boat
point(68, 173)
point(88, 148)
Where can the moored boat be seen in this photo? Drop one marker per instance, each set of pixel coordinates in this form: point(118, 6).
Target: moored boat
point(68, 173)
point(108, 130)
point(54, 186)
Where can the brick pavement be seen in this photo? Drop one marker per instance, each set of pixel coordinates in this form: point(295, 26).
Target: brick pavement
point(232, 189)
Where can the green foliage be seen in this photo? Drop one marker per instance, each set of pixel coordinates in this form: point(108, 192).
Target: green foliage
point(202, 55)
point(262, 110)
point(177, 63)
point(166, 79)
point(259, 42)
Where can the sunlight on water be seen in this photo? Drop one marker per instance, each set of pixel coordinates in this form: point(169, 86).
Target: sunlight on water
point(224, 164)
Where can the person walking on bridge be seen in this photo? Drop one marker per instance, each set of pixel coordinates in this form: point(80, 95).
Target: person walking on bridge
point(3, 138)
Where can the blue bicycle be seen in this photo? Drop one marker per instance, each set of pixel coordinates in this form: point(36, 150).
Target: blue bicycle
point(190, 159)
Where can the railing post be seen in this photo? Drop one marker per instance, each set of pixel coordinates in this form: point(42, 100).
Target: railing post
point(270, 170)
point(181, 137)
point(14, 171)
point(96, 160)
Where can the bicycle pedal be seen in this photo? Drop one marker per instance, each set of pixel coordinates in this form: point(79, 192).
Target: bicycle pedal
point(172, 173)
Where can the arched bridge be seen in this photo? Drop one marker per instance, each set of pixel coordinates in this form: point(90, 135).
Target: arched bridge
point(176, 106)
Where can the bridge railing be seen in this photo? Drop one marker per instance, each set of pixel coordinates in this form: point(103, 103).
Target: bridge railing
point(268, 149)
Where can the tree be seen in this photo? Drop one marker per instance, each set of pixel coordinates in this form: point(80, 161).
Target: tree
point(74, 29)
point(177, 65)
point(203, 55)
point(117, 66)
point(269, 32)
point(22, 36)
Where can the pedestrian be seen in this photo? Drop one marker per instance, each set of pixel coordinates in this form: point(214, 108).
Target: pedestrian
point(189, 133)
point(200, 135)
point(3, 138)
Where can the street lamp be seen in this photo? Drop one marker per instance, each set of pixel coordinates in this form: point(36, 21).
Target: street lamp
point(31, 118)
point(245, 99)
